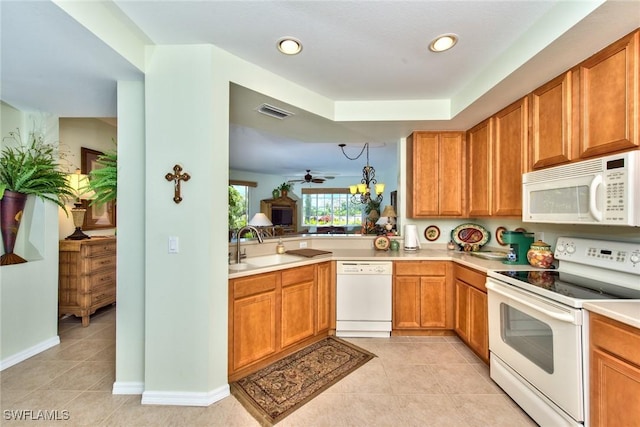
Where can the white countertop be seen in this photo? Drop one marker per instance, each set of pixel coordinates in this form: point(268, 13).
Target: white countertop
point(463, 258)
point(624, 311)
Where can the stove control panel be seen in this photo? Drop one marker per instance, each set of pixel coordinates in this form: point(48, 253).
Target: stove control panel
point(620, 256)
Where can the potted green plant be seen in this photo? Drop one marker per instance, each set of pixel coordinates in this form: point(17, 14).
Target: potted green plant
point(284, 188)
point(27, 168)
point(103, 180)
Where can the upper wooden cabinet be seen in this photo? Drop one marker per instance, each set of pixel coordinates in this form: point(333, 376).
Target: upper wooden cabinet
point(479, 141)
point(436, 174)
point(509, 159)
point(609, 95)
point(496, 156)
point(553, 139)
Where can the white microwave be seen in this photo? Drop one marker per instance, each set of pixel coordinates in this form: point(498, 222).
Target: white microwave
point(601, 191)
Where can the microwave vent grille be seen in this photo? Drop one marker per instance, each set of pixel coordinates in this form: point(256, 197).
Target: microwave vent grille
point(587, 167)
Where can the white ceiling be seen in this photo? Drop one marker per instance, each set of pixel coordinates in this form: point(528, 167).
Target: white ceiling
point(353, 51)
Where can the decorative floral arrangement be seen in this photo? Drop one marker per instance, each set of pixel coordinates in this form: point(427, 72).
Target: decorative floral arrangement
point(32, 168)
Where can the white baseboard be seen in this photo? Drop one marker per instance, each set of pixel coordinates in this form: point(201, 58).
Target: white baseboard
point(181, 398)
point(29, 352)
point(128, 387)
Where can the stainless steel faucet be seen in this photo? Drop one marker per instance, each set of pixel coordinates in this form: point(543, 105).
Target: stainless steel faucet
point(240, 231)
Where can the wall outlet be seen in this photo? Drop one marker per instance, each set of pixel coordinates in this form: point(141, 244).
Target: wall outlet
point(303, 245)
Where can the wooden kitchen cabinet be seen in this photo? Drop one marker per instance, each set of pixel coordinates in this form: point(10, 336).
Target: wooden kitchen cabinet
point(86, 276)
point(609, 99)
point(325, 296)
point(298, 305)
point(614, 372)
point(422, 296)
point(479, 174)
point(274, 314)
point(436, 174)
point(471, 316)
point(509, 159)
point(253, 312)
point(553, 139)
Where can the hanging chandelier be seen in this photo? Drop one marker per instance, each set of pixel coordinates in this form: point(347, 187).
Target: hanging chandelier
point(362, 192)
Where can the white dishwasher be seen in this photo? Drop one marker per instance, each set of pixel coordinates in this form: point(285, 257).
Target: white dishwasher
point(363, 298)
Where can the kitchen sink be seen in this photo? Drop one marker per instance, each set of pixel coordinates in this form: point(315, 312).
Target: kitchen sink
point(265, 261)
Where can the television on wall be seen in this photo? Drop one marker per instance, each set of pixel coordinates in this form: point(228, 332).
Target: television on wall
point(281, 215)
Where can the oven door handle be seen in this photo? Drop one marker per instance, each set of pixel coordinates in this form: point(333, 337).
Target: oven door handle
point(563, 317)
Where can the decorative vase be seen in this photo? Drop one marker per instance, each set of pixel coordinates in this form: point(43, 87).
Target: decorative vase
point(275, 193)
point(540, 254)
point(11, 210)
point(284, 193)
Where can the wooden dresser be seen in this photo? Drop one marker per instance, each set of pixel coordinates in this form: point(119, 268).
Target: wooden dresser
point(87, 276)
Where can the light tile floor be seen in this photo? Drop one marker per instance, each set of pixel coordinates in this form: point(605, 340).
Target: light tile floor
point(414, 381)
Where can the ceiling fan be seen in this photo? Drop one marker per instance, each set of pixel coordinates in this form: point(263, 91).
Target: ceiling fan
point(311, 179)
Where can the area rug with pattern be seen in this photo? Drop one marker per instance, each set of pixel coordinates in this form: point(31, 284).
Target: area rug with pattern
point(274, 392)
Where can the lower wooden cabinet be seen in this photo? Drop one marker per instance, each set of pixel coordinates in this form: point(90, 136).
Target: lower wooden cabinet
point(273, 314)
point(614, 387)
point(298, 305)
point(422, 297)
point(471, 321)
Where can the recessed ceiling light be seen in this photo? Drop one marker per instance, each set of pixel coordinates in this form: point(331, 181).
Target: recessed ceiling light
point(443, 42)
point(289, 46)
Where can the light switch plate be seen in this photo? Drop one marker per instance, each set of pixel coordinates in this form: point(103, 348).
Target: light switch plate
point(174, 246)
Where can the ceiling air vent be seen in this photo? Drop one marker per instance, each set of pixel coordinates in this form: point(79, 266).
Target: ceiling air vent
point(272, 111)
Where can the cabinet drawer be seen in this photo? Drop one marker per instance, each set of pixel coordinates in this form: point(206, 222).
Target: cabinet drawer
point(105, 295)
point(298, 275)
point(420, 268)
point(101, 249)
point(102, 278)
point(472, 277)
point(102, 262)
point(254, 285)
point(615, 337)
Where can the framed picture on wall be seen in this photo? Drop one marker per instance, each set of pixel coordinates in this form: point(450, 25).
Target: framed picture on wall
point(96, 217)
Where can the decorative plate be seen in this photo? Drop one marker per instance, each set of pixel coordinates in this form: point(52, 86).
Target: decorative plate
point(520, 229)
point(381, 243)
point(470, 235)
point(431, 233)
point(499, 232)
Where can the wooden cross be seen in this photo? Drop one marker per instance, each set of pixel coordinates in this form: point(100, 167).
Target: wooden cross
point(176, 177)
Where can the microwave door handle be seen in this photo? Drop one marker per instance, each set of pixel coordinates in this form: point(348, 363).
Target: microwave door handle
point(563, 317)
point(593, 189)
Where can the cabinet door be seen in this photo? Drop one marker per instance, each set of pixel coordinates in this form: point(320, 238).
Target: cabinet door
point(254, 326)
point(298, 315)
point(435, 174)
point(406, 302)
point(423, 157)
point(551, 123)
point(615, 391)
point(433, 302)
point(609, 85)
point(508, 159)
point(479, 174)
point(323, 287)
point(462, 311)
point(478, 324)
point(451, 175)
